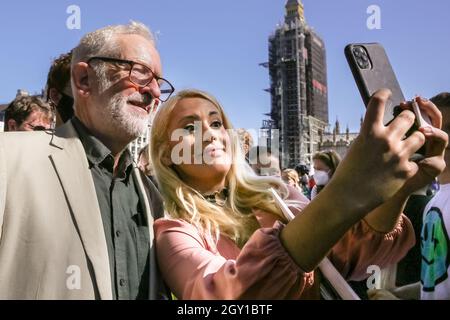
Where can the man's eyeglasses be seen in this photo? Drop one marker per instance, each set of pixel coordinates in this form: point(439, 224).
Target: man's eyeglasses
point(142, 75)
point(37, 128)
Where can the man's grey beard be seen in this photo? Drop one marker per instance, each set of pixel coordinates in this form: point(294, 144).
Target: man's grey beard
point(132, 123)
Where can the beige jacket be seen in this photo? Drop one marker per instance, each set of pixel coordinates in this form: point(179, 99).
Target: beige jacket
point(52, 242)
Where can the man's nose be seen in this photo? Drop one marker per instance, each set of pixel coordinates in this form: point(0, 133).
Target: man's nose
point(152, 88)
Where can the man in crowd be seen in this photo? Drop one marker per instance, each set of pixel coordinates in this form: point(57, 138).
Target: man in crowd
point(263, 162)
point(246, 141)
point(59, 92)
point(85, 228)
point(28, 113)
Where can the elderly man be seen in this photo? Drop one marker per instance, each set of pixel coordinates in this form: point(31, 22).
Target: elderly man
point(76, 215)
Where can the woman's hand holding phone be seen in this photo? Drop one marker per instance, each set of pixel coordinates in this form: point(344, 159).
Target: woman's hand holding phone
point(432, 163)
point(378, 165)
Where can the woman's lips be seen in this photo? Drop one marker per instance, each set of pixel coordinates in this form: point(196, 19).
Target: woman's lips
point(214, 151)
point(217, 152)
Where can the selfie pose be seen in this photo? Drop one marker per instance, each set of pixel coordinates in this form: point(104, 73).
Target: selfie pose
point(225, 238)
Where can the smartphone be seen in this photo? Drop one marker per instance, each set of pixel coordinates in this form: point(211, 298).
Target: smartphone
point(372, 71)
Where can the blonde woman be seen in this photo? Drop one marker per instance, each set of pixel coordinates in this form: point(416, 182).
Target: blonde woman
point(290, 177)
point(224, 238)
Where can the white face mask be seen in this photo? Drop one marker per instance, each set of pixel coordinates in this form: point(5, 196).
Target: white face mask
point(321, 177)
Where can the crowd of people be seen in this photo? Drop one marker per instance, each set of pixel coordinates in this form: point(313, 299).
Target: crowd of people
point(195, 217)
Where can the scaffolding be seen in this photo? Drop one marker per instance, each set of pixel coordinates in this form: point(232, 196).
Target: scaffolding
point(299, 105)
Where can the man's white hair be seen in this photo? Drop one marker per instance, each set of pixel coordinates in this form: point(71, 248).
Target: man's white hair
point(102, 42)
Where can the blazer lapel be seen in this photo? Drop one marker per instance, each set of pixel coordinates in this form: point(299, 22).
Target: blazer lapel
point(71, 165)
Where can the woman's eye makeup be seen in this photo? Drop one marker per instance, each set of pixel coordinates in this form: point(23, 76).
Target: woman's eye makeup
point(216, 124)
point(189, 127)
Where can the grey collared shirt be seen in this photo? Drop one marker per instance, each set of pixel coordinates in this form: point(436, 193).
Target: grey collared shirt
point(124, 220)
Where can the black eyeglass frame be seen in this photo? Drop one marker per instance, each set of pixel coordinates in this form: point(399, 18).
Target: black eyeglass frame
point(38, 127)
point(132, 64)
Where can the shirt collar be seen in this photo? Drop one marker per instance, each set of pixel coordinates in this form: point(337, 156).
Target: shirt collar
point(97, 153)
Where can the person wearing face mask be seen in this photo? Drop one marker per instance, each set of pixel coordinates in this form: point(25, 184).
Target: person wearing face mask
point(325, 164)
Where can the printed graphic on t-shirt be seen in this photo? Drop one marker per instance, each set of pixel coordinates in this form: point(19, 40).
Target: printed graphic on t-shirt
point(434, 246)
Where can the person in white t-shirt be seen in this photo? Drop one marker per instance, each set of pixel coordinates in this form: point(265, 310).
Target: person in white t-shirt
point(435, 244)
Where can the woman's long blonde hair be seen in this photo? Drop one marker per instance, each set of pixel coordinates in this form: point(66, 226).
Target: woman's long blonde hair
point(246, 190)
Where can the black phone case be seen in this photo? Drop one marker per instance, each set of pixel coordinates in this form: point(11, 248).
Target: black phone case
point(379, 75)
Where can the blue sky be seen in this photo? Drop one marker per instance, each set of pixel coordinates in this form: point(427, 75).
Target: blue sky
point(217, 45)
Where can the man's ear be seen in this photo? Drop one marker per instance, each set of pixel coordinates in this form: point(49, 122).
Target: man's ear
point(12, 125)
point(54, 95)
point(81, 79)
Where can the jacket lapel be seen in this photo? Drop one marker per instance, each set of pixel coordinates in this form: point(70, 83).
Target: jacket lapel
point(71, 165)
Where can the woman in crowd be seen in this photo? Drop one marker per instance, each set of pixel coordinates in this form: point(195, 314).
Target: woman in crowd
point(325, 164)
point(225, 238)
point(290, 177)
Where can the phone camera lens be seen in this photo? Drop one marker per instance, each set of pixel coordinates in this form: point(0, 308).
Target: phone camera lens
point(361, 57)
point(363, 64)
point(357, 52)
